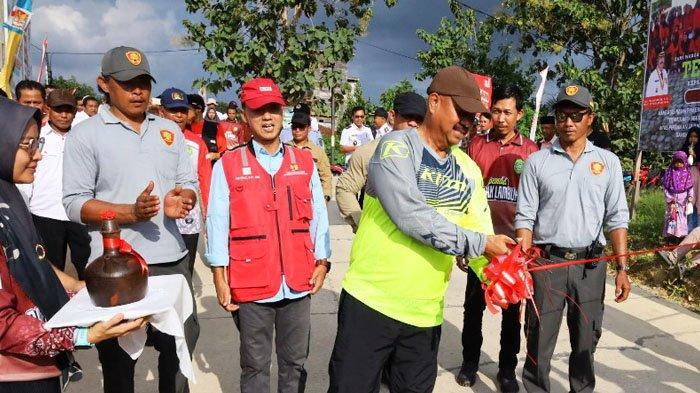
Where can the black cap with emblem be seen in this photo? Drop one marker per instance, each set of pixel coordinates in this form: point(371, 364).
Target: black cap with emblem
point(575, 94)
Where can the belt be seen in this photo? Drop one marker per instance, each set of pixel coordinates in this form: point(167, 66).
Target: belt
point(569, 254)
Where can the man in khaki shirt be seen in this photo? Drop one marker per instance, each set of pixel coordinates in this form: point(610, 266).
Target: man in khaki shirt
point(408, 112)
point(301, 125)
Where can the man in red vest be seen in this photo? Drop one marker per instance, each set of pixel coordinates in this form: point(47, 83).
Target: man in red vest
point(268, 242)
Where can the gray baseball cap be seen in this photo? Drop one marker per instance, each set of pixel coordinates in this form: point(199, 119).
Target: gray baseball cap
point(124, 63)
point(575, 94)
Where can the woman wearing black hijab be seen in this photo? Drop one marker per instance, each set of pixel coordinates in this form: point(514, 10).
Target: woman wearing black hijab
point(31, 289)
point(212, 137)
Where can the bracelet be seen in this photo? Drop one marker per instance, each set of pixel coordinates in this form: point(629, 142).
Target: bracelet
point(623, 268)
point(80, 338)
point(324, 262)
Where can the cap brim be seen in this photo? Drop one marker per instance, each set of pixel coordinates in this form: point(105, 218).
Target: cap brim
point(57, 104)
point(175, 106)
point(470, 105)
point(259, 102)
point(575, 102)
point(127, 75)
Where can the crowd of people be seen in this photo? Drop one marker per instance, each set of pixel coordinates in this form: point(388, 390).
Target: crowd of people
point(441, 179)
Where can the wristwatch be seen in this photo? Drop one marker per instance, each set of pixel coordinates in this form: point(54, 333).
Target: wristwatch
point(324, 262)
point(623, 268)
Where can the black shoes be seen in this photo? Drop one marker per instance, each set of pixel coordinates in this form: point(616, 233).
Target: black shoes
point(506, 382)
point(467, 375)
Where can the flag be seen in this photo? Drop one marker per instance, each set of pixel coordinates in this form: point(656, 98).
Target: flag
point(538, 102)
point(42, 73)
point(16, 24)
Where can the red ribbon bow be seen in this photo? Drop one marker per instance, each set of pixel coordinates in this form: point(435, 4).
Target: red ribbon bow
point(125, 248)
point(509, 281)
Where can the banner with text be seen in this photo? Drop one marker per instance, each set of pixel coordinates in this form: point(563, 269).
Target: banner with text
point(671, 99)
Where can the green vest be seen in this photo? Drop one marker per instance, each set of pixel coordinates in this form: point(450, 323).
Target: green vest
point(399, 276)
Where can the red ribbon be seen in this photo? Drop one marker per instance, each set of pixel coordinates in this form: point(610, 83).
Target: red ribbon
point(125, 248)
point(509, 281)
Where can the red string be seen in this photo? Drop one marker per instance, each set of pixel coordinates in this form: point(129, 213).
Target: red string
point(608, 257)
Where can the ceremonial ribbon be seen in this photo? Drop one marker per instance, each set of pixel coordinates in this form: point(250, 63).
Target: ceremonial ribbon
point(125, 248)
point(509, 280)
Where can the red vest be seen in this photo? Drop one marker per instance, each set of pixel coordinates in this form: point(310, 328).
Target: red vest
point(269, 225)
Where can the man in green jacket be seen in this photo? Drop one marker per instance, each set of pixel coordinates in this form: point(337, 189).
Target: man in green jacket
point(424, 204)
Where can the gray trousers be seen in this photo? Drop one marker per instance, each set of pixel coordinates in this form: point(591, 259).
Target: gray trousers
point(581, 290)
point(291, 322)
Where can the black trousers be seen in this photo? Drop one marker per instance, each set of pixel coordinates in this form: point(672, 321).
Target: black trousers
point(50, 385)
point(191, 242)
point(368, 340)
point(585, 288)
point(58, 235)
point(472, 335)
point(118, 366)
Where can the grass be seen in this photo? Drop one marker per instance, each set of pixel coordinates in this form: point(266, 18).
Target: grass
point(650, 270)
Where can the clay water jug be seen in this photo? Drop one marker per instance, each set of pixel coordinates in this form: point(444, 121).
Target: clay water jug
point(120, 275)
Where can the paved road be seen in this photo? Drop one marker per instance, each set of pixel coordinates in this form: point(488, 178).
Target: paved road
point(648, 344)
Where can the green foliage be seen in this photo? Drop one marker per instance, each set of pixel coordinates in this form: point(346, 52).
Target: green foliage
point(386, 99)
point(600, 44)
point(79, 89)
point(464, 41)
point(296, 43)
point(647, 227)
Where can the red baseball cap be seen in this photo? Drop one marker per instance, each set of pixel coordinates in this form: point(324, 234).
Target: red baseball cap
point(259, 92)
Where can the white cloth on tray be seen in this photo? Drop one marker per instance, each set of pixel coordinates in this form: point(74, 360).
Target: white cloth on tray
point(168, 302)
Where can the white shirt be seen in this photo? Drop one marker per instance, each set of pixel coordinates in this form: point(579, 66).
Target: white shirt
point(192, 224)
point(383, 130)
point(354, 136)
point(45, 195)
point(657, 84)
point(80, 116)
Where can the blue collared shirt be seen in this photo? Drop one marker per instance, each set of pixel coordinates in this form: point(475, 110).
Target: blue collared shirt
point(218, 218)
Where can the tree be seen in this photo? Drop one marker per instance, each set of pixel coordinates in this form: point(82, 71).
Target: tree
point(289, 41)
point(386, 99)
point(463, 41)
point(79, 89)
point(597, 43)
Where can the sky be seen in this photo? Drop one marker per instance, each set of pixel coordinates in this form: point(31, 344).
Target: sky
point(97, 25)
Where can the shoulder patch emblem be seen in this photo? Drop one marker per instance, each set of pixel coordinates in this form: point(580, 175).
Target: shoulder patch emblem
point(597, 168)
point(395, 149)
point(133, 57)
point(518, 166)
point(168, 137)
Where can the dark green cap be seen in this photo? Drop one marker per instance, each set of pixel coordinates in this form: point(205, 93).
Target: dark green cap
point(124, 63)
point(575, 94)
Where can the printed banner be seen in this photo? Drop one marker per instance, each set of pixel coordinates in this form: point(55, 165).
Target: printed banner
point(671, 99)
point(486, 88)
point(17, 22)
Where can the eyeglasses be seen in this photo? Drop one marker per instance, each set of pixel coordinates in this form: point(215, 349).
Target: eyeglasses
point(358, 117)
point(574, 116)
point(32, 145)
point(464, 115)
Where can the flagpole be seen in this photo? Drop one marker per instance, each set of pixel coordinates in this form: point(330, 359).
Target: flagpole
point(538, 102)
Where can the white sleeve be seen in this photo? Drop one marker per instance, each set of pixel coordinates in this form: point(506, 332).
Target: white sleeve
point(345, 137)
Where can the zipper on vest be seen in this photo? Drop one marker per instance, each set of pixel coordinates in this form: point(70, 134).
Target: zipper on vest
point(289, 202)
point(254, 237)
point(277, 222)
